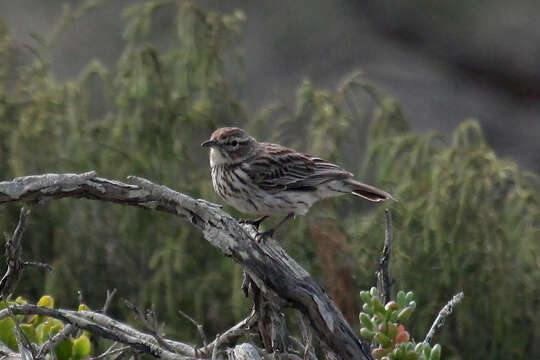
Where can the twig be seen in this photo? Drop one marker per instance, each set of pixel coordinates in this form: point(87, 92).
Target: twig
point(150, 322)
point(445, 311)
point(40, 265)
point(307, 336)
point(27, 350)
point(13, 256)
point(49, 345)
point(108, 300)
point(232, 334)
point(383, 275)
point(199, 326)
point(111, 351)
point(217, 344)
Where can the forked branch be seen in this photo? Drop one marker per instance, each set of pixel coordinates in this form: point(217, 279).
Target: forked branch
point(274, 272)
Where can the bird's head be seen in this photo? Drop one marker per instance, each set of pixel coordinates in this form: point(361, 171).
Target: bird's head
point(230, 145)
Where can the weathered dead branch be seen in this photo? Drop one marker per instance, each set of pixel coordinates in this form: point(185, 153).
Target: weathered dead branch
point(274, 273)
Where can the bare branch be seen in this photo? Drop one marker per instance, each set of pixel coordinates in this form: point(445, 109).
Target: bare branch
point(445, 311)
point(105, 321)
point(232, 334)
point(199, 326)
point(111, 351)
point(217, 344)
point(307, 336)
point(268, 265)
point(49, 345)
point(13, 257)
point(40, 265)
point(150, 322)
point(124, 334)
point(383, 275)
point(108, 300)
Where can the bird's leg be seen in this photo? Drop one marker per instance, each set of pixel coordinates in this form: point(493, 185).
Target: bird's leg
point(257, 222)
point(262, 236)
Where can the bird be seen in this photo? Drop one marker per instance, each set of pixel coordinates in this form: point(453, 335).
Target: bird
point(266, 179)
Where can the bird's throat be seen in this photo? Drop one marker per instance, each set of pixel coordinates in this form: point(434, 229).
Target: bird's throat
point(216, 158)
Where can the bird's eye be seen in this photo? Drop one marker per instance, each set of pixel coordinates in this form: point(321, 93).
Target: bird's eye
point(234, 143)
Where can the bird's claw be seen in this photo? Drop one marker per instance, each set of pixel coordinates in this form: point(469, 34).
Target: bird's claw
point(262, 236)
point(255, 223)
point(249, 222)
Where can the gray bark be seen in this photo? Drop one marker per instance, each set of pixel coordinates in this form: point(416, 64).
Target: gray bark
point(273, 271)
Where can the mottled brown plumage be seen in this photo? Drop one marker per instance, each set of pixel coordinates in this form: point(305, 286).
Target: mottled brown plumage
point(269, 179)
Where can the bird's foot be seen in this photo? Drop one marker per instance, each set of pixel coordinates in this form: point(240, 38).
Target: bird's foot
point(256, 223)
point(261, 237)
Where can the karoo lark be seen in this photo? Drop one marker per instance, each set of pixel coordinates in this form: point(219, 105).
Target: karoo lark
point(269, 179)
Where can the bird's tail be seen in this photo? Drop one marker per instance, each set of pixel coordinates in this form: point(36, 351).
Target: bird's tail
point(368, 192)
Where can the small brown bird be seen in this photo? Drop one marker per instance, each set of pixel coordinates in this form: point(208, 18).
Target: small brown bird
point(269, 179)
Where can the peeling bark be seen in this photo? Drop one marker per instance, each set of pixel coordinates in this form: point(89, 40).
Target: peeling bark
point(273, 271)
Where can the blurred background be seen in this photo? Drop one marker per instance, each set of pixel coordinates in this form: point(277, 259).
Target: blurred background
point(386, 88)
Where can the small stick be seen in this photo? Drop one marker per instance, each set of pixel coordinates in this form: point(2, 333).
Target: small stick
point(383, 275)
point(445, 311)
point(199, 326)
point(110, 296)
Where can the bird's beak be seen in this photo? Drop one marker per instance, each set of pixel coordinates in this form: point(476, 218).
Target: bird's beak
point(209, 143)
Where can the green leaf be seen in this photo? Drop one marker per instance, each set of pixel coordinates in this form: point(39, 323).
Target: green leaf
point(405, 314)
point(376, 303)
point(409, 297)
point(30, 331)
point(367, 334)
point(81, 347)
point(383, 340)
point(365, 320)
point(46, 301)
point(7, 336)
point(63, 350)
point(47, 329)
point(401, 298)
point(365, 296)
point(435, 352)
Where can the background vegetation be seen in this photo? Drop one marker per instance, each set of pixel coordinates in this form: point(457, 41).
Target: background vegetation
point(466, 220)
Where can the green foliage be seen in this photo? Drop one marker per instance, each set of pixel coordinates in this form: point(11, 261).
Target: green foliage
point(383, 327)
point(146, 116)
point(38, 329)
point(465, 220)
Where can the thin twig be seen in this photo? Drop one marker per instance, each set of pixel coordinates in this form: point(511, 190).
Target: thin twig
point(37, 264)
point(240, 329)
point(383, 275)
point(111, 351)
point(217, 344)
point(307, 335)
point(13, 257)
point(445, 311)
point(199, 326)
point(27, 350)
point(63, 334)
point(150, 322)
point(110, 296)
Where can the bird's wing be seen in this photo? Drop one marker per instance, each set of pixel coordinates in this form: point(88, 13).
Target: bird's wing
point(279, 168)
